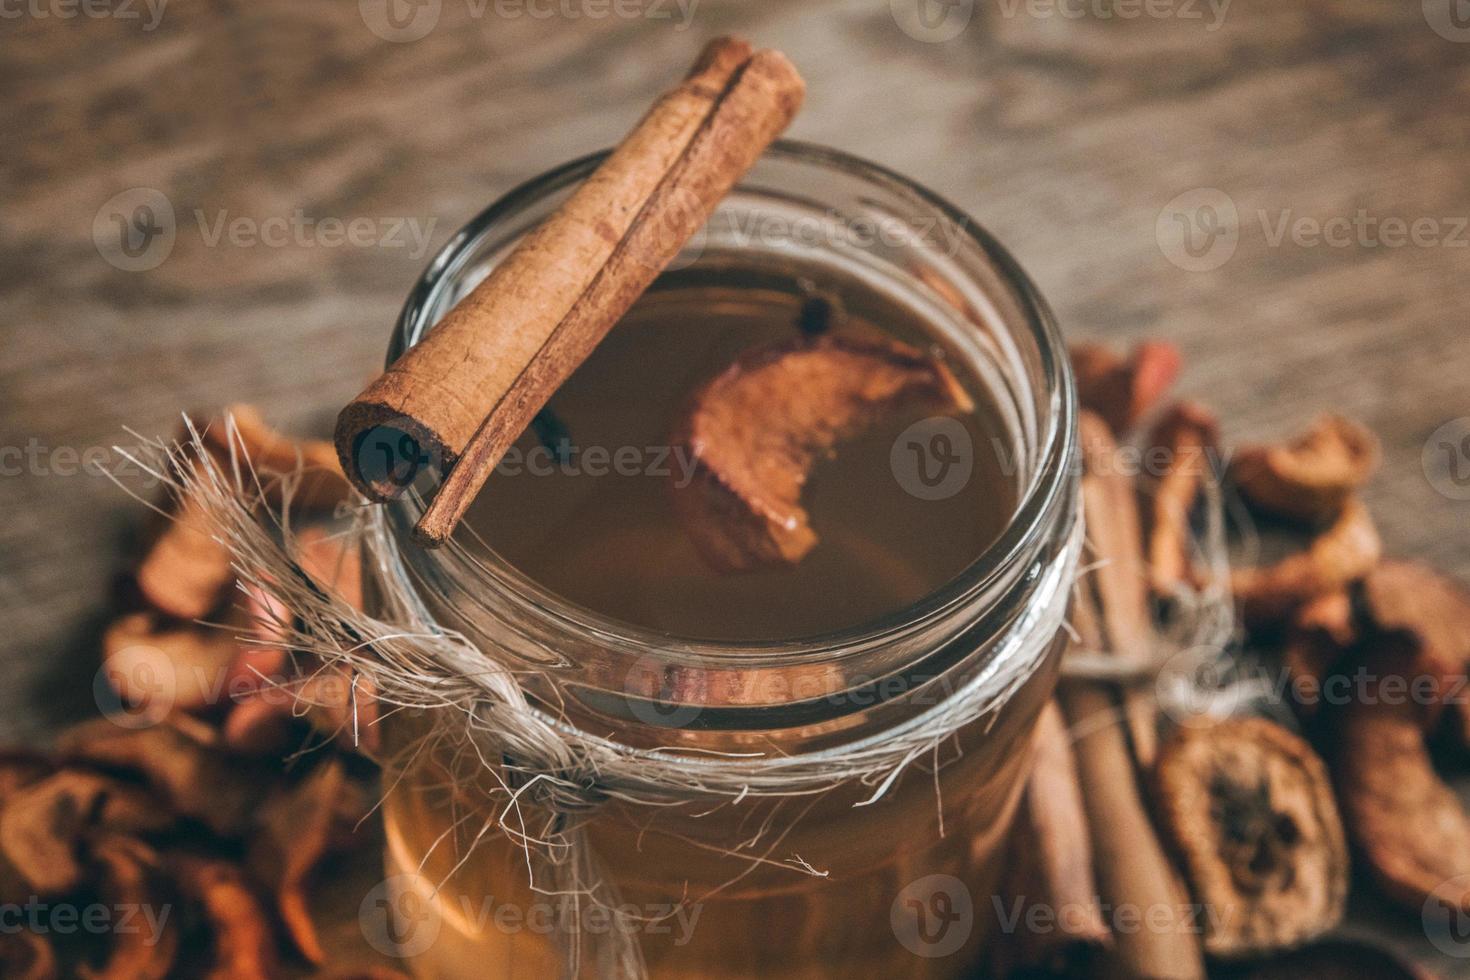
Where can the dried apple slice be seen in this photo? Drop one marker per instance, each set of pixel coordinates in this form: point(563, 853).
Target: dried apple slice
point(1342, 554)
point(310, 466)
point(1311, 477)
point(162, 666)
point(132, 878)
point(757, 429)
point(42, 826)
point(1249, 807)
point(1184, 437)
point(244, 947)
point(294, 828)
point(182, 760)
point(1321, 634)
point(26, 955)
point(1124, 390)
point(1410, 827)
point(186, 572)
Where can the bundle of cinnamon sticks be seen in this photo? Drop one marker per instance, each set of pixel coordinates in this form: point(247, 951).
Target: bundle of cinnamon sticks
point(1225, 841)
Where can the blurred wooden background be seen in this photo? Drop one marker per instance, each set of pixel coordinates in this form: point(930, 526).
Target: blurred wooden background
point(1070, 129)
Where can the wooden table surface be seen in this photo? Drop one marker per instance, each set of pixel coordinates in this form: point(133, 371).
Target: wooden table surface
point(1070, 128)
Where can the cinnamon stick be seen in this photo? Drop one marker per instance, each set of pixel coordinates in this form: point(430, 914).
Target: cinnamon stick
point(461, 396)
point(1134, 874)
point(1052, 865)
point(1115, 538)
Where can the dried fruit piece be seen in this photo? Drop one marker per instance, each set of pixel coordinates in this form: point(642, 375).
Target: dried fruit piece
point(244, 948)
point(132, 879)
point(1249, 807)
point(20, 768)
point(24, 955)
point(1321, 634)
point(1124, 391)
point(1181, 443)
point(294, 828)
point(158, 666)
point(1311, 477)
point(1411, 828)
point(1338, 960)
point(187, 572)
point(42, 826)
point(332, 563)
point(1341, 555)
point(260, 724)
point(309, 467)
point(1429, 610)
point(183, 760)
point(757, 429)
point(339, 702)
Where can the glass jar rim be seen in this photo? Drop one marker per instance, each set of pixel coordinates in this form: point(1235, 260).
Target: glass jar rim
point(1023, 535)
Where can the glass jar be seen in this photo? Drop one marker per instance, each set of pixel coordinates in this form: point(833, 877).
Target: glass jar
point(870, 877)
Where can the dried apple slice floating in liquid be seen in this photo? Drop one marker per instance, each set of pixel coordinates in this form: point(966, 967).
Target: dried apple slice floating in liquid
point(757, 429)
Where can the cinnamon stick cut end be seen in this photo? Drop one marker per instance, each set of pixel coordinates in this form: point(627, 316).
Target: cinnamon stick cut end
point(383, 451)
point(757, 429)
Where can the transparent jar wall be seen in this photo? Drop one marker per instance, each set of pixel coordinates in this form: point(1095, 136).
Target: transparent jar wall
point(753, 912)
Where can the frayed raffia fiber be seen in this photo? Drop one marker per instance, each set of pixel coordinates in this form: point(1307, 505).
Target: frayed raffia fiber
point(1192, 662)
point(524, 752)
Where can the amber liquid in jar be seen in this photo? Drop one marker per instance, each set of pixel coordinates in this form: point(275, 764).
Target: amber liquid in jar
point(606, 538)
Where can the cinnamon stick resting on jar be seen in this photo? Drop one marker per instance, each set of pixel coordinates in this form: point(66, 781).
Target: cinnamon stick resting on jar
point(458, 399)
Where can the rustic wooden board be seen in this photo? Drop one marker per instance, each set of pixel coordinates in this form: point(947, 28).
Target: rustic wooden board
point(1068, 136)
